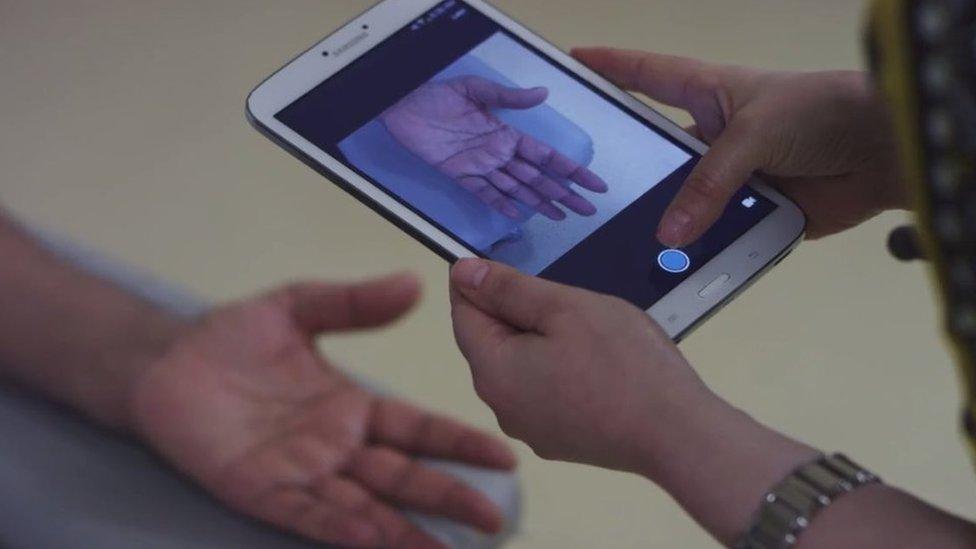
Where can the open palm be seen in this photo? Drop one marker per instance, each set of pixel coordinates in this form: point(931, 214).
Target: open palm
point(450, 126)
point(246, 406)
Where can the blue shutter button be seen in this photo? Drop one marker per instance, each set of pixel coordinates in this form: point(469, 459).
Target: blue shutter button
point(674, 261)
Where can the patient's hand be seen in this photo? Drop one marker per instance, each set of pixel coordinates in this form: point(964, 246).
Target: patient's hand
point(246, 405)
point(450, 126)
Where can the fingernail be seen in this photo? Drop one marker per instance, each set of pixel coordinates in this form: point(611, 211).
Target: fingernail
point(579, 205)
point(674, 228)
point(552, 212)
point(470, 273)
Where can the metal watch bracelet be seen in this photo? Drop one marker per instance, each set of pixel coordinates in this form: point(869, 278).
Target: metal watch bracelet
point(789, 507)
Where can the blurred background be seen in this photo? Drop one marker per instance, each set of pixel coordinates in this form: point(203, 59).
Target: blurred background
point(123, 126)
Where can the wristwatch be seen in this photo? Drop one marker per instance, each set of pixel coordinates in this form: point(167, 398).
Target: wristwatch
point(790, 506)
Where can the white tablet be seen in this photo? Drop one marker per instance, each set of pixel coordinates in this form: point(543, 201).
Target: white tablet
point(479, 138)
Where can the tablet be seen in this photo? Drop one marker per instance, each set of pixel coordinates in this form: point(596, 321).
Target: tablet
point(479, 138)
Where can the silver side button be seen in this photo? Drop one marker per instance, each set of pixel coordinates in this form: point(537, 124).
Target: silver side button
point(715, 285)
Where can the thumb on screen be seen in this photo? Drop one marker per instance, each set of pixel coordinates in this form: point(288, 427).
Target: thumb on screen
point(494, 95)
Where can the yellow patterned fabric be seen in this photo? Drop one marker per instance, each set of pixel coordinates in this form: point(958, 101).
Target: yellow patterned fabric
point(914, 47)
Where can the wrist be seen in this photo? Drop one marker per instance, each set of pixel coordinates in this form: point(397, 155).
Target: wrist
point(148, 338)
point(883, 162)
point(717, 462)
point(672, 436)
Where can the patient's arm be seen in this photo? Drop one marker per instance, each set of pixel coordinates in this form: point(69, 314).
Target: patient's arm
point(242, 401)
point(70, 335)
point(450, 125)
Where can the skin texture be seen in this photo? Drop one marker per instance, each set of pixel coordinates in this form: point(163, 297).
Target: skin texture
point(815, 136)
point(450, 126)
point(242, 401)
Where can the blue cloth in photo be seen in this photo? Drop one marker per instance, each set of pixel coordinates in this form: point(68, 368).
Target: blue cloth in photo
point(377, 154)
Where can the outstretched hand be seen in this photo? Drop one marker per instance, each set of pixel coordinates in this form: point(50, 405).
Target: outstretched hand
point(451, 127)
point(245, 404)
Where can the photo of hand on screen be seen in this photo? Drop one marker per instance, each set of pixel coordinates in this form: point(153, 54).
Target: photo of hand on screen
point(450, 125)
point(499, 148)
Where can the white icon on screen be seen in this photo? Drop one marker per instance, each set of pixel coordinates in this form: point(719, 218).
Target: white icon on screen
point(749, 202)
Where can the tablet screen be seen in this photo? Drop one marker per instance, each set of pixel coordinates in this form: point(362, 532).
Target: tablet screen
point(499, 146)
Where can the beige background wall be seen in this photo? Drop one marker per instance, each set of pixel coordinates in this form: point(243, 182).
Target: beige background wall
point(122, 124)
